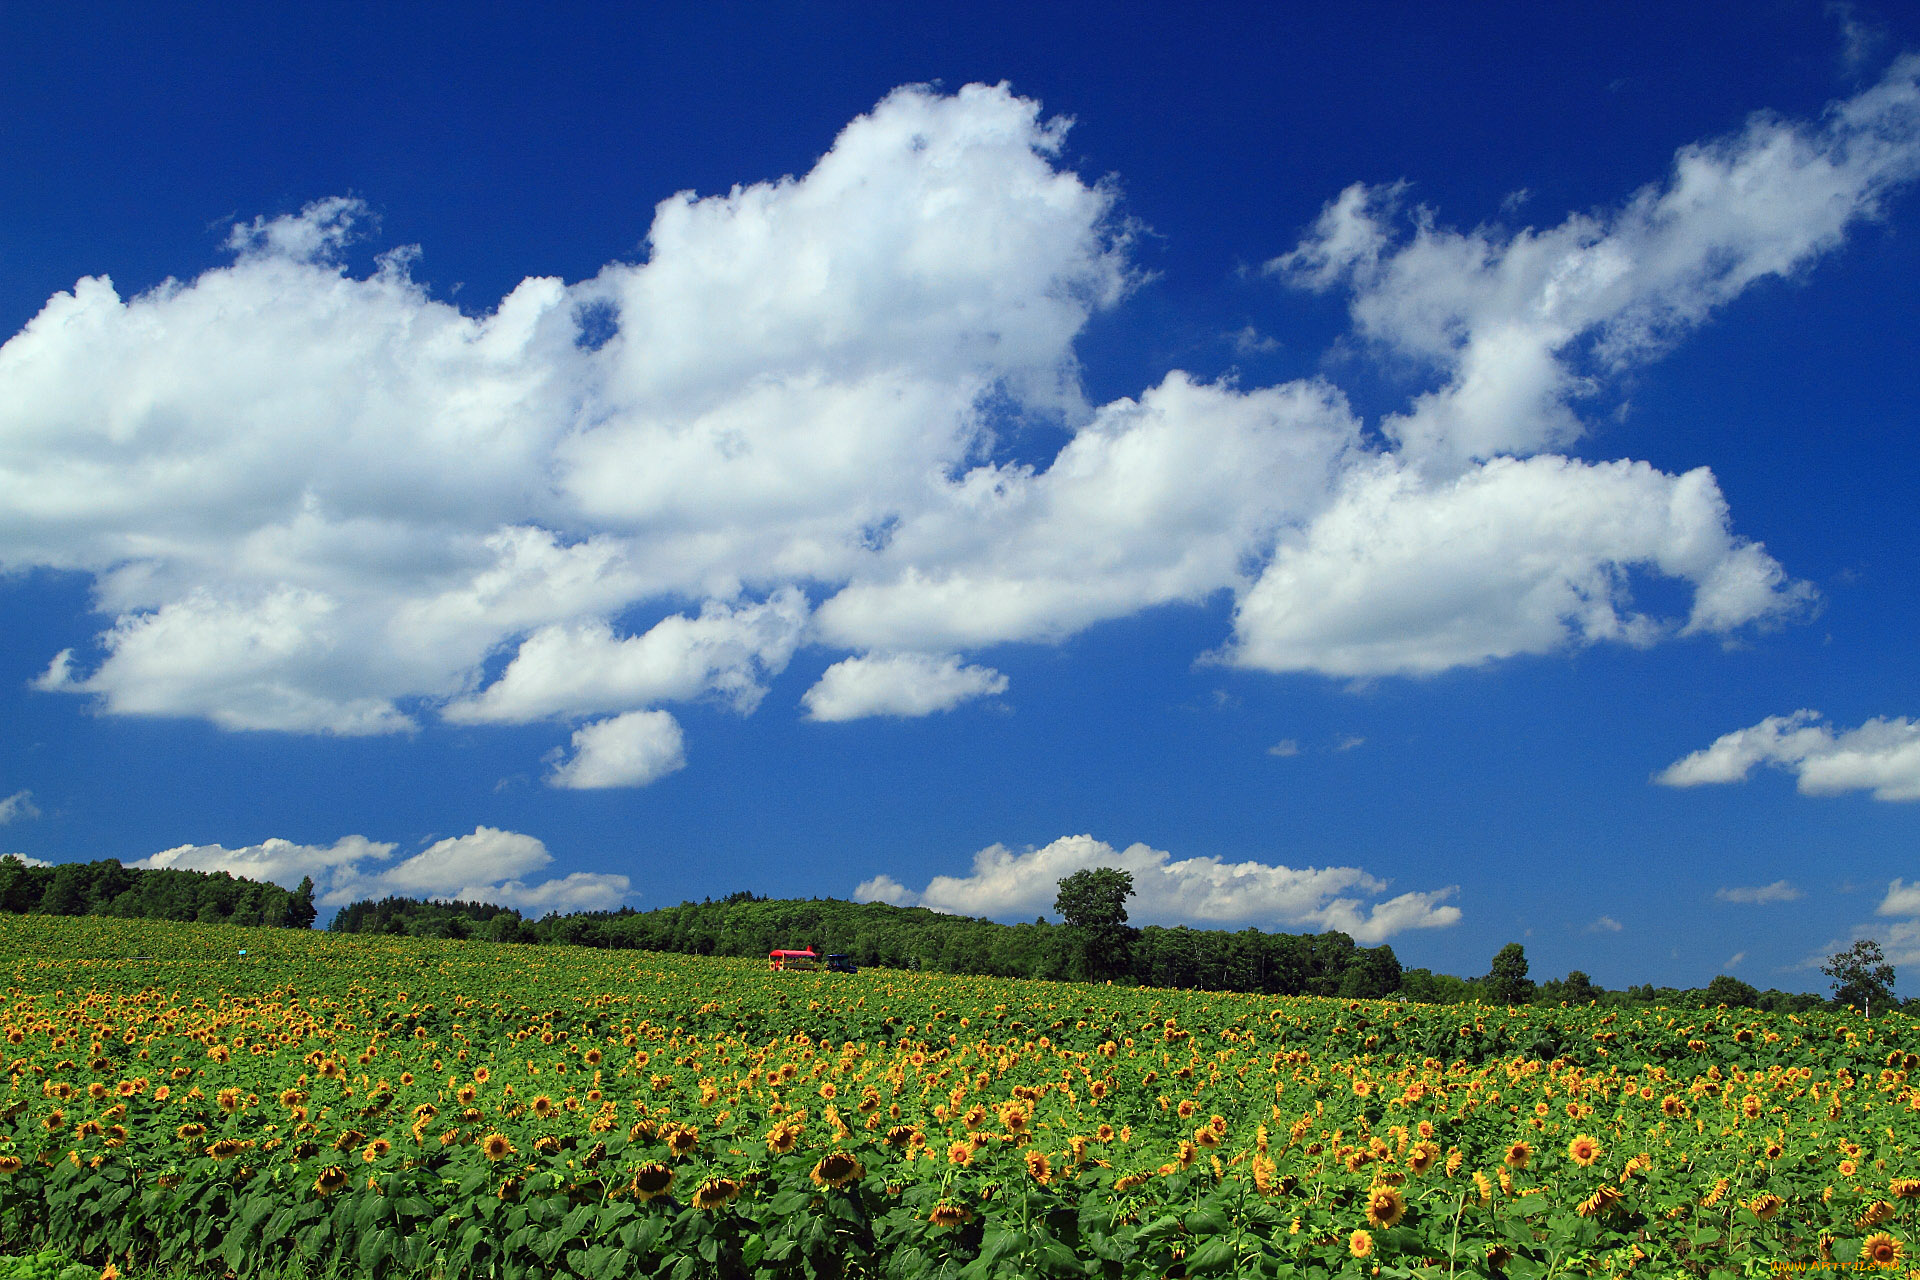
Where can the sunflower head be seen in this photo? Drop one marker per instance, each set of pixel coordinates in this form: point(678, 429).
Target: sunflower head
point(837, 1169)
point(1360, 1243)
point(1518, 1155)
point(948, 1214)
point(1039, 1168)
point(652, 1180)
point(716, 1193)
point(1583, 1150)
point(1882, 1250)
point(1385, 1206)
point(496, 1146)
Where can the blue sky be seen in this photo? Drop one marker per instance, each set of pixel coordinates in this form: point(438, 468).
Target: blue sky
point(1440, 475)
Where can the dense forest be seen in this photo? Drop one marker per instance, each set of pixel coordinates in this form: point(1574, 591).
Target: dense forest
point(106, 888)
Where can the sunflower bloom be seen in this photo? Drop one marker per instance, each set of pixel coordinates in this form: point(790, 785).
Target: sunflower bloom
point(1385, 1206)
point(1039, 1168)
point(1882, 1250)
point(331, 1179)
point(781, 1138)
point(1518, 1156)
point(652, 1180)
point(496, 1146)
point(837, 1169)
point(716, 1193)
point(1360, 1243)
point(960, 1153)
point(948, 1214)
point(1600, 1202)
point(1583, 1150)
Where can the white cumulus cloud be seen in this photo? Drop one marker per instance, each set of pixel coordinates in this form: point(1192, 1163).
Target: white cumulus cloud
point(628, 750)
point(311, 501)
point(1207, 891)
point(898, 684)
point(1881, 756)
point(17, 806)
point(488, 865)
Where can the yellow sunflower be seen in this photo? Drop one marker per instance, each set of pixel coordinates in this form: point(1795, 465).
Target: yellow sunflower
point(837, 1169)
point(651, 1180)
point(1882, 1250)
point(716, 1193)
point(1385, 1206)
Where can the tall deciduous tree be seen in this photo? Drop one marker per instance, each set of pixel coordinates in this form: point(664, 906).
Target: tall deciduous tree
point(1508, 982)
point(1861, 976)
point(1093, 901)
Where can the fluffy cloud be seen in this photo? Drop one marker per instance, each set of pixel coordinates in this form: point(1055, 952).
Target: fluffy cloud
point(1517, 324)
point(898, 684)
point(318, 502)
point(1778, 891)
point(581, 668)
point(16, 806)
point(1900, 935)
point(489, 865)
point(1881, 756)
point(628, 750)
point(1197, 890)
point(1406, 575)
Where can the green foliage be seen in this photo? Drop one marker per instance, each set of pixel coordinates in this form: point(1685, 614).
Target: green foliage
point(400, 1108)
point(878, 935)
point(1861, 976)
point(106, 888)
point(1507, 982)
point(1731, 992)
point(1093, 902)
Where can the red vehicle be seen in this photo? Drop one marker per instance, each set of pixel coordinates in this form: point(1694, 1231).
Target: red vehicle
point(780, 961)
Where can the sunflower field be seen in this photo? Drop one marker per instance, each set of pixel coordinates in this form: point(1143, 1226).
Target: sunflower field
point(394, 1107)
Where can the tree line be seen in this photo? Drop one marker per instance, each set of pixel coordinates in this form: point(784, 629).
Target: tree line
point(875, 933)
point(1095, 943)
point(106, 888)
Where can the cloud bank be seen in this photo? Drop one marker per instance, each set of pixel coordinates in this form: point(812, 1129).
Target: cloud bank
point(319, 502)
point(488, 865)
point(1205, 891)
point(1882, 756)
